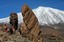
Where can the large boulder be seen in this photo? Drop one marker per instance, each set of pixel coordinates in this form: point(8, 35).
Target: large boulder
point(30, 27)
point(14, 20)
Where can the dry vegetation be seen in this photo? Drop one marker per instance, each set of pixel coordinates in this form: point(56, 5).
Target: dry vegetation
point(47, 37)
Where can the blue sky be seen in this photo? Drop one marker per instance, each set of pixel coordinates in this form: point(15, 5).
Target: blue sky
point(8, 6)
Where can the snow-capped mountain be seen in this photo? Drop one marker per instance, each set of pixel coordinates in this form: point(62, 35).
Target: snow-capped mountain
point(4, 20)
point(45, 15)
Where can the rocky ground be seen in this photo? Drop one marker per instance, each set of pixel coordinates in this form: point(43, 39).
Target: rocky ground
point(52, 35)
point(6, 37)
point(47, 36)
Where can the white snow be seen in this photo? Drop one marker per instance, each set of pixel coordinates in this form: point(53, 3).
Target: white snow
point(45, 15)
point(4, 20)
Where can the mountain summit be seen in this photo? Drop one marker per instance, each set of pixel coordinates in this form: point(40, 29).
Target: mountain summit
point(45, 15)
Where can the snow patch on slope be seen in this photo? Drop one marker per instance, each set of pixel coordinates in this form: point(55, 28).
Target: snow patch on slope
point(45, 15)
point(4, 20)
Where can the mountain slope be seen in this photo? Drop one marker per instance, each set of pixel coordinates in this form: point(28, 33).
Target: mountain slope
point(4, 20)
point(45, 15)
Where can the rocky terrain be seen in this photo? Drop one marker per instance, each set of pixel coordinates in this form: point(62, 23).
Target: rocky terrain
point(52, 35)
point(6, 37)
point(49, 35)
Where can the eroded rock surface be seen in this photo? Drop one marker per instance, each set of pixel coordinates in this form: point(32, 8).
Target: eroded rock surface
point(30, 27)
point(14, 20)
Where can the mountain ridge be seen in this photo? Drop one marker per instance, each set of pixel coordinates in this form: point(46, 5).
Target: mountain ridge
point(45, 15)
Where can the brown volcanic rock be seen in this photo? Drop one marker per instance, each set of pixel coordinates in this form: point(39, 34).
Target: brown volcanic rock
point(14, 20)
point(30, 27)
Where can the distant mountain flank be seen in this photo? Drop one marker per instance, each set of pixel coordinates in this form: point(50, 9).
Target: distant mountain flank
point(45, 15)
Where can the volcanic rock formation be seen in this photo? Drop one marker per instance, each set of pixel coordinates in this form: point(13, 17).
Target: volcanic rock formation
point(14, 20)
point(30, 27)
